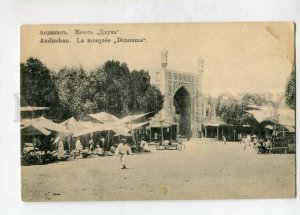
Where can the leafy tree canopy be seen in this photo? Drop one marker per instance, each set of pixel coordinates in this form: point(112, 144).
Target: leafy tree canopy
point(38, 86)
point(75, 92)
point(233, 110)
point(121, 92)
point(290, 90)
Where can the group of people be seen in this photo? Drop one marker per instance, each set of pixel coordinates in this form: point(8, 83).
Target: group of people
point(92, 148)
point(245, 140)
point(261, 144)
point(122, 150)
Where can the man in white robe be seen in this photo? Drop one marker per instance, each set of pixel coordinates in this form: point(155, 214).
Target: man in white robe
point(122, 151)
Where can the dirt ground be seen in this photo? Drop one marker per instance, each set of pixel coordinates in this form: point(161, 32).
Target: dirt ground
point(203, 170)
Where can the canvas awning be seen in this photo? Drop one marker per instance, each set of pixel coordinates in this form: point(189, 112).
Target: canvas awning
point(161, 124)
point(214, 122)
point(138, 125)
point(32, 108)
point(105, 117)
point(29, 130)
point(122, 134)
point(290, 128)
point(281, 116)
point(42, 122)
point(270, 127)
point(95, 127)
point(100, 127)
point(73, 125)
point(131, 118)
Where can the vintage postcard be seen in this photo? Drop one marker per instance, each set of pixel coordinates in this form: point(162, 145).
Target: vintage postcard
point(185, 111)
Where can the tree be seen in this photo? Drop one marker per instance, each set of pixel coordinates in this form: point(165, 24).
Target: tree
point(231, 111)
point(234, 111)
point(121, 92)
point(290, 90)
point(256, 99)
point(110, 84)
point(143, 96)
point(74, 92)
point(38, 87)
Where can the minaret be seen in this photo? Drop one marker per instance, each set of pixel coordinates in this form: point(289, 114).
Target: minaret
point(163, 73)
point(163, 82)
point(200, 73)
point(200, 97)
point(164, 58)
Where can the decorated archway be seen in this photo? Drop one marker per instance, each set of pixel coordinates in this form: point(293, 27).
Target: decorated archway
point(182, 102)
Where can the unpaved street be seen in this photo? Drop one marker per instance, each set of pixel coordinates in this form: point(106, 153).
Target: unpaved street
point(206, 170)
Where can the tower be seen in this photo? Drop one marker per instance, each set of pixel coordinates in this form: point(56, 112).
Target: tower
point(200, 73)
point(164, 58)
point(200, 105)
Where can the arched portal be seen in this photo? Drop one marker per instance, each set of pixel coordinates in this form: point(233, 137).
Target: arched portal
point(182, 103)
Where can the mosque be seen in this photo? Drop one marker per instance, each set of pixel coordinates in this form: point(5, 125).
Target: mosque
point(184, 100)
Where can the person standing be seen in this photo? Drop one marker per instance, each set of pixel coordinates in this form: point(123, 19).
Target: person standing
point(60, 149)
point(144, 145)
point(255, 141)
point(179, 139)
point(122, 151)
point(102, 140)
point(91, 143)
point(244, 141)
point(248, 139)
point(224, 139)
point(78, 147)
point(240, 137)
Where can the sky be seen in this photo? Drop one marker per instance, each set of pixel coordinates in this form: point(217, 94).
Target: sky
point(238, 57)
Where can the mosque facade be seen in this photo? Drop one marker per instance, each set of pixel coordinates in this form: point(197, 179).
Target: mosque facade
point(184, 100)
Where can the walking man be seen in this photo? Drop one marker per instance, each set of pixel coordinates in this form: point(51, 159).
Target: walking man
point(122, 151)
point(224, 139)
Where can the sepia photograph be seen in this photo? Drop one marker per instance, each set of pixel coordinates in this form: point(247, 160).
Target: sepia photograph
point(182, 111)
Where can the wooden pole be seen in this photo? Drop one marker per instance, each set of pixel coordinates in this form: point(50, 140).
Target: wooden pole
point(132, 134)
point(162, 132)
point(233, 135)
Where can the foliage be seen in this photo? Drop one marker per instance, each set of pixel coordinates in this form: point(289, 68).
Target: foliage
point(110, 86)
point(290, 90)
point(256, 99)
point(231, 111)
point(75, 92)
point(143, 97)
point(73, 89)
point(38, 86)
point(121, 92)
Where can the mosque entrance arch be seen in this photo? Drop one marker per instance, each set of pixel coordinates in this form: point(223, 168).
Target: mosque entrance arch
point(183, 103)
